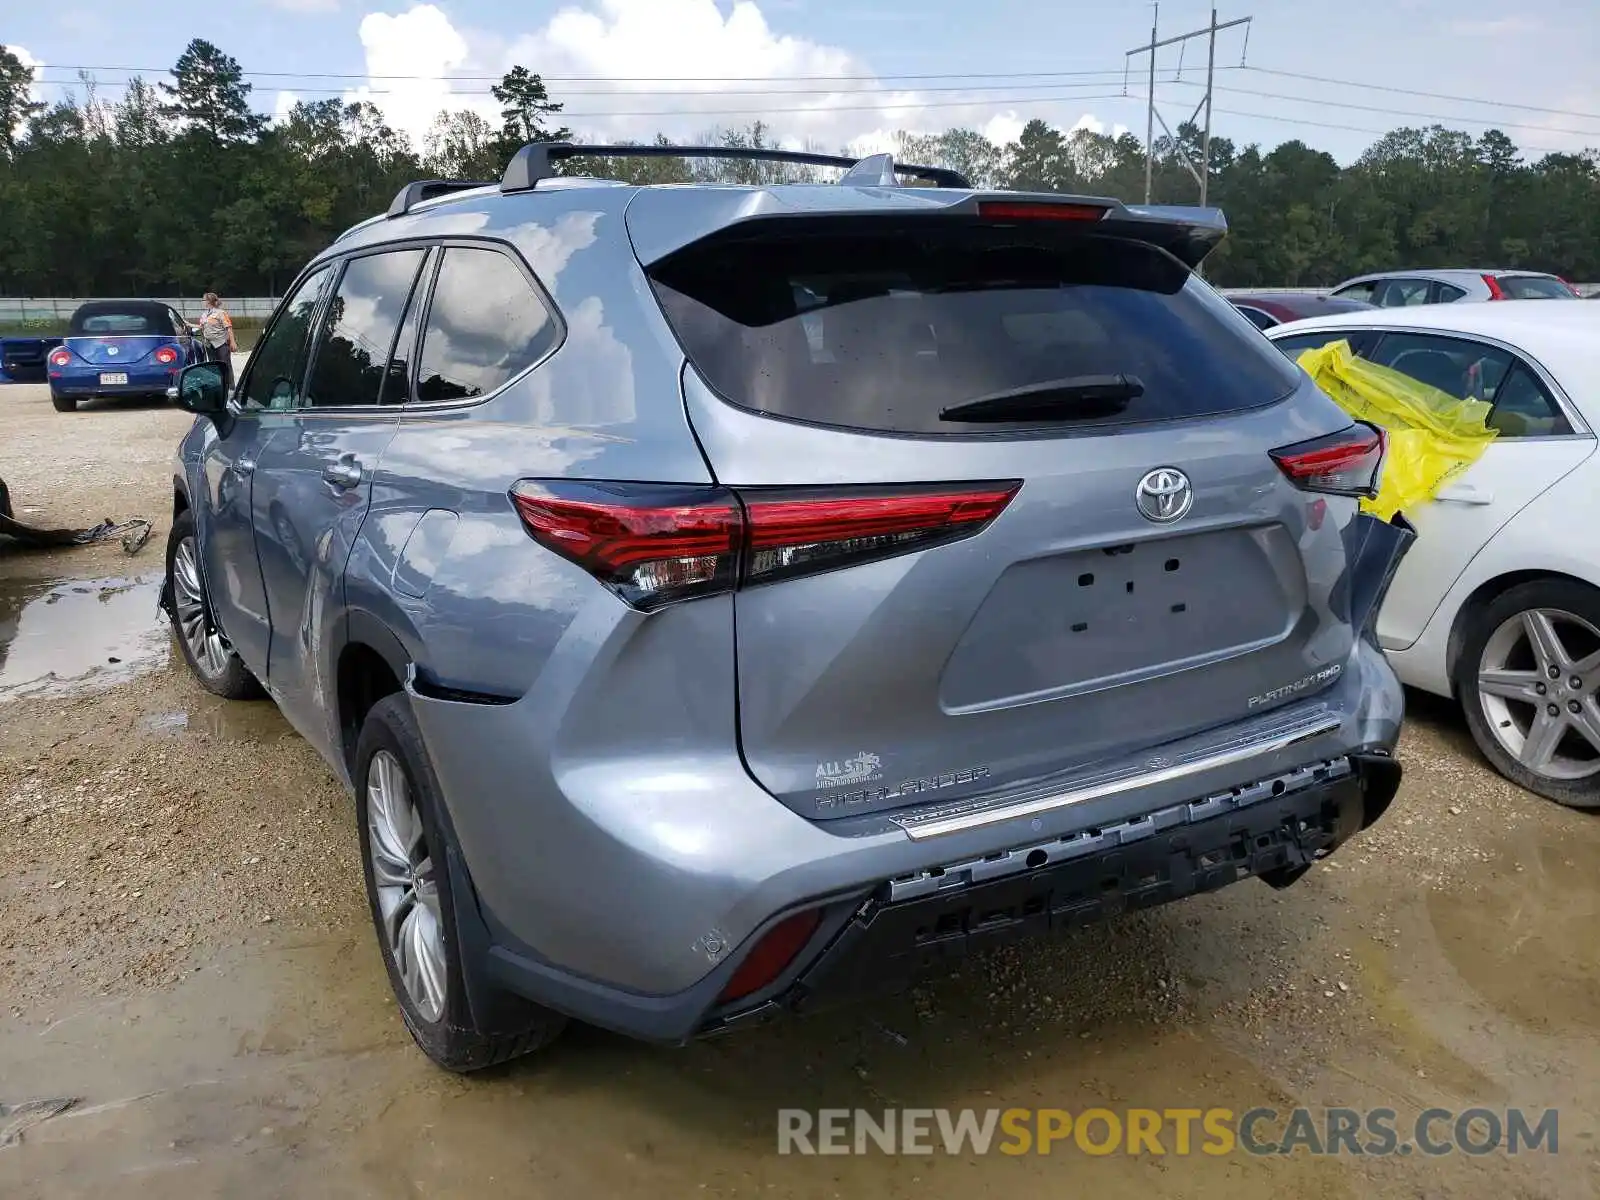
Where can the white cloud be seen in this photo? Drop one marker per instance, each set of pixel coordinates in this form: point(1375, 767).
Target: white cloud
point(1003, 128)
point(419, 43)
point(286, 100)
point(724, 66)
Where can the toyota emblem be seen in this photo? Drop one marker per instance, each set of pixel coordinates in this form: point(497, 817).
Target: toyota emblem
point(1164, 495)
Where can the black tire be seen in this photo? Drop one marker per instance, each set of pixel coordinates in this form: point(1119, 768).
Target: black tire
point(231, 680)
point(452, 1039)
point(63, 403)
point(1568, 596)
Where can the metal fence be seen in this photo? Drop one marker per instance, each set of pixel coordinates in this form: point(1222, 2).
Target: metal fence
point(14, 310)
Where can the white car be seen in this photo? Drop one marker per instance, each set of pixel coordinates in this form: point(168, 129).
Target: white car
point(1498, 601)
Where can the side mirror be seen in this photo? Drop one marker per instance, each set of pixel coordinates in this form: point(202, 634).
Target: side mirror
point(202, 389)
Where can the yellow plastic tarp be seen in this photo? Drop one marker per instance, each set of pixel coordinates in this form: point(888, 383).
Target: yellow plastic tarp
point(1433, 436)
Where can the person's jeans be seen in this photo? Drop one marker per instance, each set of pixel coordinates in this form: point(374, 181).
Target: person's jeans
point(221, 354)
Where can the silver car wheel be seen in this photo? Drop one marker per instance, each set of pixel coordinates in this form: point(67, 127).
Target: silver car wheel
point(407, 893)
point(1537, 681)
point(206, 646)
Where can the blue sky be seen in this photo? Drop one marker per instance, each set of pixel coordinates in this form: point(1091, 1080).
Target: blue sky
point(840, 71)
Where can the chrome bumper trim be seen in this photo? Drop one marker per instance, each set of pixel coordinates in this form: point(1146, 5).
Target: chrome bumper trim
point(992, 810)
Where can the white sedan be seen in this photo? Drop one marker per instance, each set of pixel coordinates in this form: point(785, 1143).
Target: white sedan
point(1498, 601)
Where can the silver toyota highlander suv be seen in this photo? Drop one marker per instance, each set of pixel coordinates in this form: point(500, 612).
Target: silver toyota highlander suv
point(724, 599)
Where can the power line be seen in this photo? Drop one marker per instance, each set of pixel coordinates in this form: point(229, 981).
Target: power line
point(675, 93)
point(613, 78)
point(1301, 121)
point(1398, 112)
point(1379, 87)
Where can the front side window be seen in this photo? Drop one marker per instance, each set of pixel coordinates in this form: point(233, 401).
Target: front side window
point(1357, 291)
point(362, 318)
point(279, 363)
point(486, 325)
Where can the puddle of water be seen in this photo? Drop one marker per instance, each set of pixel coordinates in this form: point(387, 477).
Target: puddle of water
point(229, 721)
point(78, 635)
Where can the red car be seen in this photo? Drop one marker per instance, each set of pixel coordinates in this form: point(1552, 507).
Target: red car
point(1267, 309)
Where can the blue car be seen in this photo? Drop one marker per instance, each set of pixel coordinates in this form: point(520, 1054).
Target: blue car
point(121, 348)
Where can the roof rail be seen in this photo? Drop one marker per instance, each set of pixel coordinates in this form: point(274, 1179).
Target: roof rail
point(536, 161)
point(414, 194)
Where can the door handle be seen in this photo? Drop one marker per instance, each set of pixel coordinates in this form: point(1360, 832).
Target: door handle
point(1464, 493)
point(243, 466)
point(344, 474)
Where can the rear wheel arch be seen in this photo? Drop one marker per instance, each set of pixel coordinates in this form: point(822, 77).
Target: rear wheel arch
point(1484, 595)
point(365, 675)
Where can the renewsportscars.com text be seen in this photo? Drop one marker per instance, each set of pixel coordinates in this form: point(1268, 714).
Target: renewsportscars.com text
point(1167, 1131)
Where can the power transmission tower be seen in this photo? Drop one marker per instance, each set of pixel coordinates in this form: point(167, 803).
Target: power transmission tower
point(1202, 174)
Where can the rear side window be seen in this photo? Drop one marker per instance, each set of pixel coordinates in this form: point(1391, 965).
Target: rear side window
point(359, 329)
point(1533, 287)
point(486, 325)
point(881, 330)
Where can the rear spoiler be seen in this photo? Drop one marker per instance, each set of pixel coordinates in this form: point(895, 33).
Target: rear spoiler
point(672, 221)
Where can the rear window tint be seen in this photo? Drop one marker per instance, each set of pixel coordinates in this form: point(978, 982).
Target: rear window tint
point(105, 324)
point(880, 331)
point(1533, 287)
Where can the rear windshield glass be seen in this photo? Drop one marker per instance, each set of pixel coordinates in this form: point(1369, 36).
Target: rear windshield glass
point(880, 331)
point(114, 324)
point(1533, 287)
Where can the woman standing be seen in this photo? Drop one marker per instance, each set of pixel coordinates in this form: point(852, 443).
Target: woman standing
point(216, 334)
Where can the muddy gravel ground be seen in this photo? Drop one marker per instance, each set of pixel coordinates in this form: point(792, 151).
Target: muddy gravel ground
point(185, 955)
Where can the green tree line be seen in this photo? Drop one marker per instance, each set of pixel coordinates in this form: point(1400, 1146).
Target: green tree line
point(179, 187)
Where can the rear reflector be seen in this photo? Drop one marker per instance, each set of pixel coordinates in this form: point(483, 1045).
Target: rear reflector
point(653, 544)
point(1022, 210)
point(771, 956)
point(1347, 463)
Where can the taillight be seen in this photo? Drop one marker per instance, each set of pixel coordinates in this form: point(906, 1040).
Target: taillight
point(1570, 287)
point(653, 544)
point(792, 533)
point(166, 356)
point(771, 956)
point(1496, 292)
point(649, 543)
point(1029, 210)
point(60, 358)
point(1347, 463)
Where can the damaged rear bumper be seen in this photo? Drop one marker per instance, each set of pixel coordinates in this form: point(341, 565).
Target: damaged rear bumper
point(924, 924)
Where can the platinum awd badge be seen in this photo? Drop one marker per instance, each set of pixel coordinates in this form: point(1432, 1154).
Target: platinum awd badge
point(1315, 679)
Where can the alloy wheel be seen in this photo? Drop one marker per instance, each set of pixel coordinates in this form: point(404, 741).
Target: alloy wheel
point(1537, 682)
point(407, 892)
point(206, 646)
